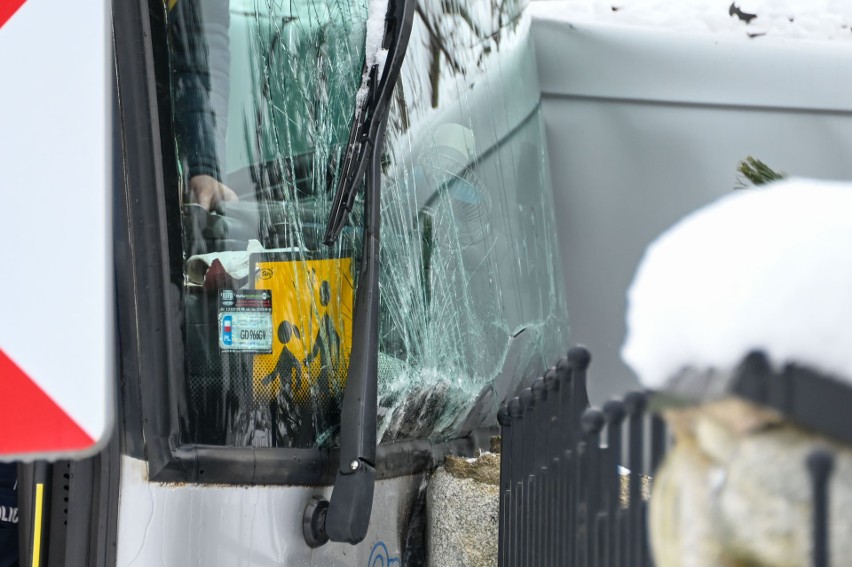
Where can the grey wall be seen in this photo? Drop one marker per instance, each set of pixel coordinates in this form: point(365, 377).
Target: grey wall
point(636, 141)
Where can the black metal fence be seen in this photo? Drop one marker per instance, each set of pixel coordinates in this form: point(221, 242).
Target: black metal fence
point(565, 499)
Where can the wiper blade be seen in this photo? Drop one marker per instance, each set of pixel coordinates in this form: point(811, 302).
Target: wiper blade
point(371, 111)
point(346, 517)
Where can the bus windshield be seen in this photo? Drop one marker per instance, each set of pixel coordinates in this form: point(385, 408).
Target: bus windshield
point(262, 96)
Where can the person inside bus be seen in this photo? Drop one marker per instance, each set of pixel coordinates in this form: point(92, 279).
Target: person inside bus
point(200, 61)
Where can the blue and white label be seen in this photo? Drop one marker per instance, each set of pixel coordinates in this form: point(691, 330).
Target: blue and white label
point(228, 330)
point(245, 321)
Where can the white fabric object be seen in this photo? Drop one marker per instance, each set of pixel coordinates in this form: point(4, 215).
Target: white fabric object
point(766, 268)
point(235, 263)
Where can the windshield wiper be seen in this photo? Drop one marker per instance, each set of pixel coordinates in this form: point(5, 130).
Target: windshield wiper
point(371, 111)
point(346, 517)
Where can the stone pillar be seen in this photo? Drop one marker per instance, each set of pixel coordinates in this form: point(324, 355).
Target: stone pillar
point(734, 491)
point(463, 510)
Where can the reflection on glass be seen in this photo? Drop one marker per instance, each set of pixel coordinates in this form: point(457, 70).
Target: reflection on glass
point(263, 94)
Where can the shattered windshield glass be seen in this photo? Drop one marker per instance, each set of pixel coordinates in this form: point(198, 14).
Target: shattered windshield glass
point(263, 96)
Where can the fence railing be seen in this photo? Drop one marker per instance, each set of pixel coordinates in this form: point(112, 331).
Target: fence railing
point(574, 480)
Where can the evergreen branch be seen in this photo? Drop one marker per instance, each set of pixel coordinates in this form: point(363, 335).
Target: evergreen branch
point(757, 172)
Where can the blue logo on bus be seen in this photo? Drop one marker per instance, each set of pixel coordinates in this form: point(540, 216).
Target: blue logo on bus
point(381, 557)
point(227, 334)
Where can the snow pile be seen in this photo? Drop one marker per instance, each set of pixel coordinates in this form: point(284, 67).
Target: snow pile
point(374, 54)
point(815, 19)
point(767, 269)
point(375, 35)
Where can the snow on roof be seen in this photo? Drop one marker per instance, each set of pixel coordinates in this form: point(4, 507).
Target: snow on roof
point(813, 19)
point(766, 268)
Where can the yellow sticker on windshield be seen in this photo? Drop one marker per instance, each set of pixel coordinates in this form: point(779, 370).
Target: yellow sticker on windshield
point(312, 329)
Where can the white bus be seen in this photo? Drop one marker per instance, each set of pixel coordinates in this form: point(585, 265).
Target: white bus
point(234, 320)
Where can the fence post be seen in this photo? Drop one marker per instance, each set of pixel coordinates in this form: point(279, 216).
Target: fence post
point(578, 362)
point(659, 442)
point(593, 423)
point(552, 524)
point(566, 460)
point(635, 403)
point(579, 359)
point(505, 421)
point(820, 464)
point(516, 496)
point(540, 472)
point(614, 413)
point(528, 479)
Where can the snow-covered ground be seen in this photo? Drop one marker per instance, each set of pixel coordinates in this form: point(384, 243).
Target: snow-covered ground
point(767, 269)
point(812, 19)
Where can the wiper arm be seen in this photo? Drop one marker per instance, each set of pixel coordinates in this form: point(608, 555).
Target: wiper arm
point(346, 517)
point(371, 114)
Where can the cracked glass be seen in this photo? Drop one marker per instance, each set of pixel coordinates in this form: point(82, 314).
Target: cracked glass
point(471, 305)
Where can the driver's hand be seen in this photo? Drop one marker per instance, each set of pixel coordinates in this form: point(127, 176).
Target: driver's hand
point(208, 192)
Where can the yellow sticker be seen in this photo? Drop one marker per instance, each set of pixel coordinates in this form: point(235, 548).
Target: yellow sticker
point(312, 328)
